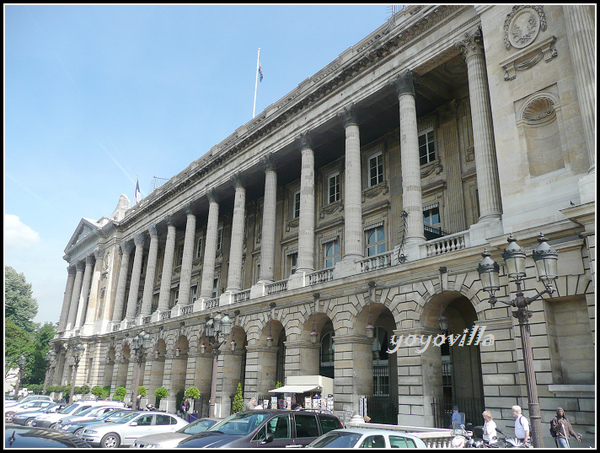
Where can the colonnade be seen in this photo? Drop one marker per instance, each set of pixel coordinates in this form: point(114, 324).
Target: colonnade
point(80, 279)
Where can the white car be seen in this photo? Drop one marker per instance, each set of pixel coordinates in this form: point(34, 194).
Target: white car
point(126, 430)
point(171, 440)
point(33, 405)
point(366, 438)
point(8, 403)
point(50, 420)
point(90, 414)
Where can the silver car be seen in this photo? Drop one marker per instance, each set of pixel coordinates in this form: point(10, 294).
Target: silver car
point(171, 440)
point(126, 430)
point(50, 420)
point(91, 413)
point(77, 428)
point(26, 418)
point(26, 406)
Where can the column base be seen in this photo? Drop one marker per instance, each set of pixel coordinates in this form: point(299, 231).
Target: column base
point(485, 229)
point(346, 268)
point(297, 280)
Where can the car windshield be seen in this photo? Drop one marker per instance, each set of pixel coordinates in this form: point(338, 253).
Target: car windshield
point(87, 411)
point(114, 415)
point(127, 418)
point(68, 409)
point(198, 426)
point(336, 440)
point(241, 423)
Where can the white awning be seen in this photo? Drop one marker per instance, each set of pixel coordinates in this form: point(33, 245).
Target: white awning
point(295, 389)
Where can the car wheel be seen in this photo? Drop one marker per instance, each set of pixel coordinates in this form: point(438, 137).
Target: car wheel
point(78, 431)
point(110, 440)
point(52, 426)
point(29, 422)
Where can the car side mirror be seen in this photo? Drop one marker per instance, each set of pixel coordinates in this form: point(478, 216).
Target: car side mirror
point(268, 439)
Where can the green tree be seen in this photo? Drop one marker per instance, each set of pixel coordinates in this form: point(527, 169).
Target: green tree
point(36, 369)
point(19, 304)
point(97, 391)
point(238, 400)
point(17, 342)
point(160, 393)
point(142, 391)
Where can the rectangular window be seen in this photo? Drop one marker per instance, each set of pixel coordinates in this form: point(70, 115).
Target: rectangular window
point(376, 169)
point(194, 293)
point(297, 205)
point(375, 240)
point(199, 248)
point(426, 147)
point(431, 216)
point(220, 239)
point(215, 291)
point(179, 255)
point(334, 188)
point(331, 251)
point(292, 262)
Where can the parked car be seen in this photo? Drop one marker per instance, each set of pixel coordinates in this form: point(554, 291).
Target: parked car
point(26, 418)
point(27, 437)
point(26, 406)
point(170, 440)
point(12, 402)
point(126, 430)
point(49, 420)
point(265, 427)
point(91, 413)
point(366, 438)
point(77, 428)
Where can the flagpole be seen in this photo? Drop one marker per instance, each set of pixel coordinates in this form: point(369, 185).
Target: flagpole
point(256, 83)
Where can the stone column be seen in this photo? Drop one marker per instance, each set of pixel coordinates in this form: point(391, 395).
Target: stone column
point(134, 287)
point(126, 249)
point(579, 20)
point(188, 258)
point(210, 250)
point(234, 278)
point(150, 272)
point(269, 222)
point(411, 169)
point(167, 270)
point(353, 370)
point(91, 313)
point(353, 246)
point(488, 184)
point(67, 299)
point(85, 291)
point(306, 228)
point(75, 296)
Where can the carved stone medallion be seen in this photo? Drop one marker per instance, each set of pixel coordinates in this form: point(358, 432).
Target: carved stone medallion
point(523, 25)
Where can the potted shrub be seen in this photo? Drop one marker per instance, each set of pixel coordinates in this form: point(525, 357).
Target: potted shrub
point(120, 393)
point(97, 391)
point(238, 400)
point(160, 393)
point(193, 394)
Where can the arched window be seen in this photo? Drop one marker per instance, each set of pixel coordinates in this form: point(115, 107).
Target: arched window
point(327, 355)
point(381, 372)
point(375, 241)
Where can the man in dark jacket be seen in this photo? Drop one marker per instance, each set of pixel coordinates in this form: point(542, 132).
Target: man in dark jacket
point(562, 428)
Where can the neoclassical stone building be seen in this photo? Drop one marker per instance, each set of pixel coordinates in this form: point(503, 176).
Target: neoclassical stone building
point(361, 202)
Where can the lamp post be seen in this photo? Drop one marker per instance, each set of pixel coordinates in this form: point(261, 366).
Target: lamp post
point(139, 344)
point(50, 357)
point(217, 328)
point(22, 361)
point(546, 261)
point(77, 353)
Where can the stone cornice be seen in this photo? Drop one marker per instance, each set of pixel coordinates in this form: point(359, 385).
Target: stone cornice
point(378, 46)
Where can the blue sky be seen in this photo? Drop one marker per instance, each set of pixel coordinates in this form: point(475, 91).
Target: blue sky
point(97, 95)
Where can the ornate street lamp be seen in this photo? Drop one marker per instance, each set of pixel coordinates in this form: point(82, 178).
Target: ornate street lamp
point(22, 361)
point(218, 328)
point(50, 358)
point(546, 260)
point(140, 343)
point(78, 349)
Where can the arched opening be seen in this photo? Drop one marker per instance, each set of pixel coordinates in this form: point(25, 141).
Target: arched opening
point(460, 382)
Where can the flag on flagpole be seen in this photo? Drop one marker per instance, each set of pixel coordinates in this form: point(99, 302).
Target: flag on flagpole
point(260, 74)
point(138, 194)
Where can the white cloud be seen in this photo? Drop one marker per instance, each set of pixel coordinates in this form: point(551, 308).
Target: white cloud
point(17, 234)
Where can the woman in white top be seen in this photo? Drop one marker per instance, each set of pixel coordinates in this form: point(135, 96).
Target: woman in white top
point(489, 428)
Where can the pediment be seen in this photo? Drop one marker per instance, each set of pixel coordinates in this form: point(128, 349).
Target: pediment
point(85, 228)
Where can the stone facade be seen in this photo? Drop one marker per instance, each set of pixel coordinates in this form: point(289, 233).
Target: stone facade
point(365, 197)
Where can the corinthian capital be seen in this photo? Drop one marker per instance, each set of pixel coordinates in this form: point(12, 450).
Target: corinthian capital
point(405, 83)
point(348, 115)
point(471, 44)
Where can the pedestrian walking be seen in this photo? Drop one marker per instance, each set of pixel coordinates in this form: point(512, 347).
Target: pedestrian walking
point(489, 428)
point(522, 429)
point(185, 406)
point(562, 429)
point(456, 418)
